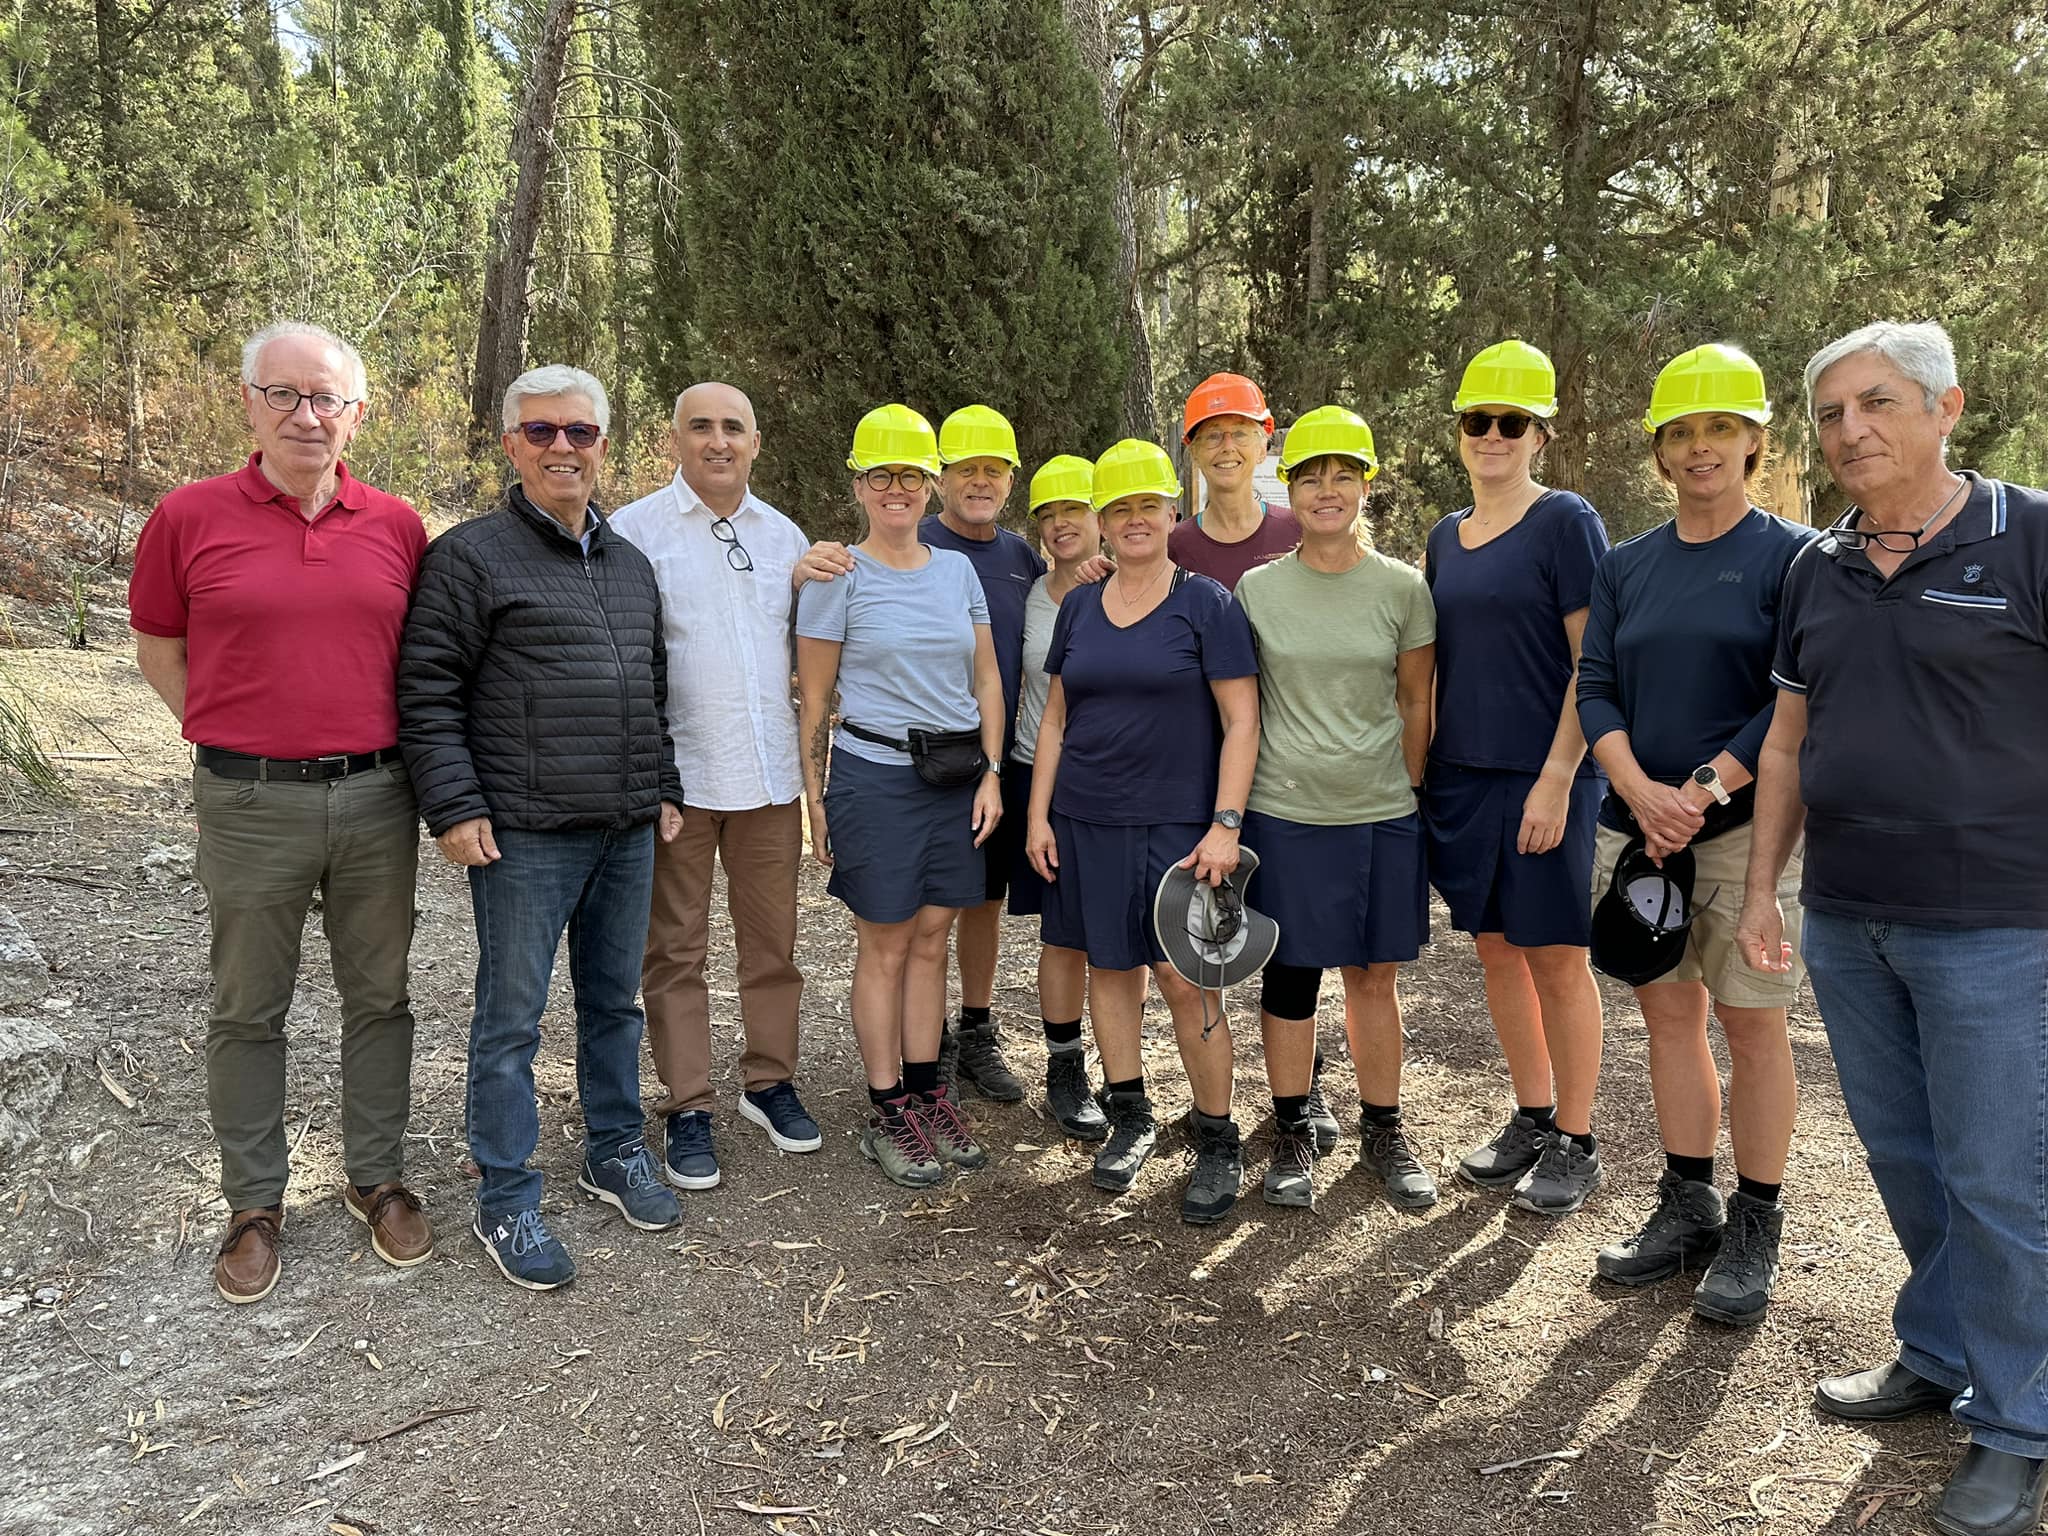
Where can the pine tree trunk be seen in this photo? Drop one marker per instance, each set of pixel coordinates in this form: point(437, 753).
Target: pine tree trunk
point(1579, 212)
point(501, 332)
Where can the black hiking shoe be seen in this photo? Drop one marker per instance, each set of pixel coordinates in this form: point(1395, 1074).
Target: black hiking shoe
point(1320, 1120)
point(1291, 1176)
point(949, 1058)
point(1683, 1232)
point(1131, 1133)
point(1737, 1285)
point(1386, 1151)
point(982, 1068)
point(1501, 1162)
point(1068, 1095)
point(1218, 1170)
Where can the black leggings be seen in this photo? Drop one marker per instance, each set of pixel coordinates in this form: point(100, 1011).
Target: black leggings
point(1290, 991)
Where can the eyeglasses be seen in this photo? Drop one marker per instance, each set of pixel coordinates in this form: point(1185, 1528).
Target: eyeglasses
point(1907, 540)
point(542, 434)
point(883, 479)
point(736, 554)
point(1512, 423)
point(326, 404)
point(1217, 436)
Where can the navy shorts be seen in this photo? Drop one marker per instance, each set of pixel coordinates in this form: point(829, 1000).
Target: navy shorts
point(898, 843)
point(1353, 895)
point(1102, 901)
point(1472, 817)
point(1026, 889)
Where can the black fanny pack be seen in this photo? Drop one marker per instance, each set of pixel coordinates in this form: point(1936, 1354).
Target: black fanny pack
point(943, 759)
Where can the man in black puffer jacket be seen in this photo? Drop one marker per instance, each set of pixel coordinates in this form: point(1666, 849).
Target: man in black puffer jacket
point(531, 684)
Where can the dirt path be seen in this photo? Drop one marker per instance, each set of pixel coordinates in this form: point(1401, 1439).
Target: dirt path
point(1010, 1354)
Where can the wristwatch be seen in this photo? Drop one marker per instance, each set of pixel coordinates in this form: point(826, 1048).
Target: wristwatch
point(1709, 780)
point(995, 767)
point(1229, 820)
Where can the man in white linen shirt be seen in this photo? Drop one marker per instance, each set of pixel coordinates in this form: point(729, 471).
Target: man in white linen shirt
point(728, 565)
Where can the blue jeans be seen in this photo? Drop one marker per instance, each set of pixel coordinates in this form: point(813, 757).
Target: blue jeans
point(1940, 1036)
point(597, 885)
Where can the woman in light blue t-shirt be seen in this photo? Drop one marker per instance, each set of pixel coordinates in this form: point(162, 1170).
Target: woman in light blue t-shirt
point(903, 637)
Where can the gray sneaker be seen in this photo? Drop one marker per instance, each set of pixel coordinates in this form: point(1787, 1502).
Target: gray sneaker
point(1320, 1120)
point(1132, 1134)
point(1218, 1173)
point(947, 1130)
point(1291, 1175)
point(1737, 1285)
point(1564, 1175)
point(895, 1141)
point(1683, 1232)
point(1501, 1162)
point(1385, 1151)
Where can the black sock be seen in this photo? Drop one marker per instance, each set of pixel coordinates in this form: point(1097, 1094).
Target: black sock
point(1061, 1034)
point(1387, 1115)
point(1756, 1189)
point(1588, 1142)
point(920, 1076)
point(1126, 1085)
point(1290, 1108)
point(970, 1017)
point(1698, 1169)
point(1544, 1115)
point(1317, 1070)
point(880, 1097)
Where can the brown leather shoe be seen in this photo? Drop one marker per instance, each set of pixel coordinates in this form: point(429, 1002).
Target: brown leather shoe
point(399, 1230)
point(246, 1269)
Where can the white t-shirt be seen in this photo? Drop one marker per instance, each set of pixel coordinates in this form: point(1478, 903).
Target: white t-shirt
point(1040, 611)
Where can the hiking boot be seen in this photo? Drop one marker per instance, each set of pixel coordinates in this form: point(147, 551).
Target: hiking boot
point(626, 1181)
point(947, 1130)
point(689, 1161)
point(247, 1267)
point(399, 1233)
point(982, 1068)
point(779, 1112)
point(949, 1058)
point(1564, 1175)
point(1737, 1285)
point(1131, 1133)
point(1385, 1151)
point(1291, 1175)
point(1683, 1232)
point(1320, 1120)
point(1501, 1162)
point(896, 1141)
point(1218, 1172)
point(1068, 1095)
point(524, 1250)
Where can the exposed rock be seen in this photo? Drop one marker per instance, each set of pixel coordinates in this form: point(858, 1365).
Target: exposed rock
point(167, 863)
point(32, 1065)
point(24, 973)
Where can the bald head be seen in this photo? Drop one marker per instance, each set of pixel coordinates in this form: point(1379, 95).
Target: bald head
point(715, 443)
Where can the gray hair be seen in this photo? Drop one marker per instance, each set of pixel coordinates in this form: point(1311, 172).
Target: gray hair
point(1922, 352)
point(278, 330)
point(553, 380)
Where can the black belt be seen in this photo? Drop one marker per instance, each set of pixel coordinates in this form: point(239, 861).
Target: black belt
point(294, 770)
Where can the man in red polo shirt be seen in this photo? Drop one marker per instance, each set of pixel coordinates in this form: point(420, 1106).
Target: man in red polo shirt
point(267, 606)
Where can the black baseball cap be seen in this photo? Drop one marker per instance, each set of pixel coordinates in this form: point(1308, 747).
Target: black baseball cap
point(1640, 925)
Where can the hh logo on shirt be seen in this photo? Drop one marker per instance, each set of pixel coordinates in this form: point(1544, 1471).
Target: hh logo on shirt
point(1734, 576)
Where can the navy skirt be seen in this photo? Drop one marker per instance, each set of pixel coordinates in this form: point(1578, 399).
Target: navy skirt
point(1027, 890)
point(1102, 901)
point(898, 843)
point(1353, 895)
point(1472, 817)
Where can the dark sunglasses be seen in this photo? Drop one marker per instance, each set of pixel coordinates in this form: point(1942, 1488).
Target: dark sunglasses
point(1512, 423)
point(541, 434)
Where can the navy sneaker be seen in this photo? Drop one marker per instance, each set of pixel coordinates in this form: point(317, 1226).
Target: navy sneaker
point(627, 1182)
point(524, 1250)
point(779, 1112)
point(690, 1163)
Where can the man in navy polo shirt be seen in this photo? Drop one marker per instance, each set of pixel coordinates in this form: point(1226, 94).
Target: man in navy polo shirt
point(1911, 739)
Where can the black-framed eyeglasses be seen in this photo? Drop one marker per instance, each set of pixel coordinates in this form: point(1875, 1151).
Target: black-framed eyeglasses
point(1897, 541)
point(883, 479)
point(736, 554)
point(1512, 424)
point(283, 398)
point(541, 434)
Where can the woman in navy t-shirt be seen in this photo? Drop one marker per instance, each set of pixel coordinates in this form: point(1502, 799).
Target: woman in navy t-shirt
point(1144, 761)
point(1509, 797)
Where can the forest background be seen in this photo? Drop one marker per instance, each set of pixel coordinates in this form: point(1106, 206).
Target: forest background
point(1071, 209)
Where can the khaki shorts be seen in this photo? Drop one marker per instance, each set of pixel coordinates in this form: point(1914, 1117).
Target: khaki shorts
point(1720, 869)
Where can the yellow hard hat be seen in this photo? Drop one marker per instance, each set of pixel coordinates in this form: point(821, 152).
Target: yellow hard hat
point(1509, 373)
point(1326, 430)
point(977, 432)
point(1716, 377)
point(1064, 478)
point(1133, 467)
point(894, 434)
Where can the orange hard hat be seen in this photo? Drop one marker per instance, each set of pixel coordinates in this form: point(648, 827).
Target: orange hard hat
point(1224, 394)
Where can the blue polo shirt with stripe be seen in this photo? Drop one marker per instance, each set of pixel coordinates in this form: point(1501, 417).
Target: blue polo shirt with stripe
point(1925, 764)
